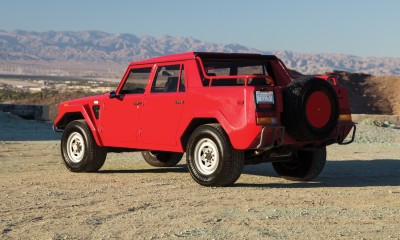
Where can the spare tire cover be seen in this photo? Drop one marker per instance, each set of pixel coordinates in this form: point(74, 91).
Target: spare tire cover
point(310, 109)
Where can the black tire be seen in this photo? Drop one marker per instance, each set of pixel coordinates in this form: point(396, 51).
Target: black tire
point(79, 149)
point(296, 98)
point(212, 161)
point(305, 166)
point(162, 159)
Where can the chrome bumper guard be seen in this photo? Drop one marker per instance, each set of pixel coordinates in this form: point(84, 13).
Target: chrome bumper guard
point(342, 128)
point(57, 130)
point(276, 136)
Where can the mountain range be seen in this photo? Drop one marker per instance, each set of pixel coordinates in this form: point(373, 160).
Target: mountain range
point(101, 47)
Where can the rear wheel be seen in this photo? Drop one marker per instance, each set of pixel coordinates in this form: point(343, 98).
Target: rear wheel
point(306, 165)
point(162, 159)
point(212, 161)
point(79, 149)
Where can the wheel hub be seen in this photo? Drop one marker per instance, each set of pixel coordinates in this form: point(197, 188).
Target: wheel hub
point(206, 156)
point(75, 147)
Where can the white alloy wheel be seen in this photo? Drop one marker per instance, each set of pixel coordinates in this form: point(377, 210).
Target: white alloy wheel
point(75, 147)
point(206, 156)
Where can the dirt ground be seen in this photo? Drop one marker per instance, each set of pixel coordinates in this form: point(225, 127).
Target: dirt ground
point(357, 196)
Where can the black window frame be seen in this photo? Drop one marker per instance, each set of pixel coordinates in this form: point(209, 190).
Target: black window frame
point(141, 87)
point(180, 85)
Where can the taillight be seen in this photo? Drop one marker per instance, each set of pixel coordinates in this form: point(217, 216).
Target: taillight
point(344, 112)
point(345, 117)
point(265, 108)
point(262, 119)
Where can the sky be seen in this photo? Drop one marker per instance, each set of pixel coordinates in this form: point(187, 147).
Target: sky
point(356, 27)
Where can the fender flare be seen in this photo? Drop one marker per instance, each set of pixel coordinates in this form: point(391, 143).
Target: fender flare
point(190, 124)
point(84, 110)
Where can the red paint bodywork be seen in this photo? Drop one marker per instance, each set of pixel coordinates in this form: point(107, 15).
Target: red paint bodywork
point(161, 121)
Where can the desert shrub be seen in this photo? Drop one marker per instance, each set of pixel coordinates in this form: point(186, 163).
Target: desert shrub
point(377, 123)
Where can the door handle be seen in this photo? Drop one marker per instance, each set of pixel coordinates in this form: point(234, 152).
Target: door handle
point(179, 101)
point(138, 103)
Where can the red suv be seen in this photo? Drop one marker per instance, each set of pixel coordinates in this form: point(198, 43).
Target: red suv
point(224, 110)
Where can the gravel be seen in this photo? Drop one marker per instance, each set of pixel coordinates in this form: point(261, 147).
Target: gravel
point(357, 196)
point(375, 134)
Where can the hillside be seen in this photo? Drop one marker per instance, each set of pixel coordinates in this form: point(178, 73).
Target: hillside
point(71, 53)
point(371, 94)
point(367, 94)
point(100, 55)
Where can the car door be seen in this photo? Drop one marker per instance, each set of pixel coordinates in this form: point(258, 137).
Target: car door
point(121, 112)
point(163, 106)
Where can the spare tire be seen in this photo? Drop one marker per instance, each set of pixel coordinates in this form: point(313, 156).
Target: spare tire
point(310, 109)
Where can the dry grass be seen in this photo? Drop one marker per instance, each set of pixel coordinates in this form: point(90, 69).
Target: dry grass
point(372, 94)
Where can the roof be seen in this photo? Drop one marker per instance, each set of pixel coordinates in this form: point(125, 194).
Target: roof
point(204, 55)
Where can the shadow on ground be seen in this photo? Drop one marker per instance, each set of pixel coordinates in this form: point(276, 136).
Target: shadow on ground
point(181, 168)
point(14, 128)
point(350, 173)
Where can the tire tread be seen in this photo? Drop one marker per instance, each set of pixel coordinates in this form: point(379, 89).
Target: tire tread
point(313, 162)
point(233, 161)
point(95, 155)
point(170, 159)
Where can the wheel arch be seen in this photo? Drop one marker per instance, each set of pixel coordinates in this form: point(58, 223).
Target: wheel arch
point(66, 119)
point(194, 123)
point(78, 114)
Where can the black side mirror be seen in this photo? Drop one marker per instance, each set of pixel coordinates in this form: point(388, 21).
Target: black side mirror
point(113, 94)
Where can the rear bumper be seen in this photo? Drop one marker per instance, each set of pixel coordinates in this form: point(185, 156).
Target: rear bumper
point(271, 136)
point(342, 131)
point(274, 136)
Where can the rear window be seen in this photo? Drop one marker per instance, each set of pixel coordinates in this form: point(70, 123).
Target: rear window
point(233, 72)
point(234, 68)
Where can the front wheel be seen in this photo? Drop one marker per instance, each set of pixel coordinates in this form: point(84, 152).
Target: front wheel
point(79, 149)
point(162, 159)
point(306, 165)
point(212, 161)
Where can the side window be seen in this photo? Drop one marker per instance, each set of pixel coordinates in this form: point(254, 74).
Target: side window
point(182, 80)
point(167, 79)
point(136, 81)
